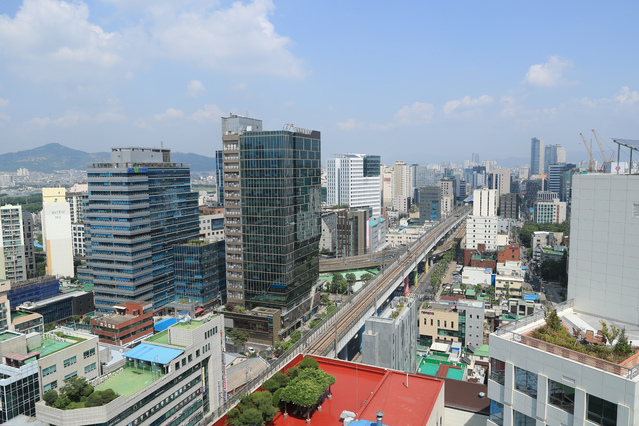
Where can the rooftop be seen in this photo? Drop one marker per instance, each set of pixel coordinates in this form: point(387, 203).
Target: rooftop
point(365, 390)
point(189, 325)
point(584, 323)
point(129, 381)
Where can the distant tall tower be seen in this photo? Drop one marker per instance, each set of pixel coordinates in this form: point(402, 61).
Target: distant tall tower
point(475, 158)
point(140, 204)
point(272, 216)
point(536, 156)
point(353, 180)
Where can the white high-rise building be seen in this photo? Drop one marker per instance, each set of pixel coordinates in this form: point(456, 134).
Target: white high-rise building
point(353, 180)
point(535, 382)
point(402, 180)
point(386, 181)
point(482, 225)
point(58, 238)
point(13, 263)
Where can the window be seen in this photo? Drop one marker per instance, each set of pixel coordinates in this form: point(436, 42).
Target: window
point(190, 357)
point(498, 369)
point(497, 412)
point(89, 368)
point(49, 370)
point(52, 385)
point(601, 411)
point(562, 396)
point(69, 361)
point(438, 324)
point(89, 353)
point(197, 353)
point(526, 382)
point(431, 322)
point(445, 323)
point(452, 324)
point(520, 419)
point(68, 376)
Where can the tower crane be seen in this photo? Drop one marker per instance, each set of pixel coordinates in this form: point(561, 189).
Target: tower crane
point(603, 154)
point(589, 149)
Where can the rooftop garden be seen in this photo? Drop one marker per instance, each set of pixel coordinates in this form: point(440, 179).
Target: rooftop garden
point(78, 393)
point(298, 394)
point(610, 344)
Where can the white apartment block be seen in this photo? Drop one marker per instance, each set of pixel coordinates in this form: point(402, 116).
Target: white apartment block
point(534, 382)
point(550, 211)
point(386, 181)
point(401, 203)
point(485, 202)
point(347, 184)
point(77, 231)
point(402, 180)
point(13, 264)
point(481, 230)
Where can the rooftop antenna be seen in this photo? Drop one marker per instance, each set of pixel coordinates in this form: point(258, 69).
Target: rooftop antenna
point(161, 144)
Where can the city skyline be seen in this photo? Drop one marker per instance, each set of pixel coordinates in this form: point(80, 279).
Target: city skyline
point(110, 73)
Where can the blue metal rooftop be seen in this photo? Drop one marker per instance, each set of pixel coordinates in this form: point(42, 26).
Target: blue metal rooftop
point(152, 353)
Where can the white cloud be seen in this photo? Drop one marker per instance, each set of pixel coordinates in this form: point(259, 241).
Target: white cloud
point(195, 88)
point(4, 117)
point(68, 119)
point(110, 117)
point(209, 112)
point(4, 102)
point(53, 39)
point(349, 124)
point(56, 40)
point(170, 113)
point(467, 102)
point(509, 107)
point(415, 114)
point(549, 74)
point(625, 96)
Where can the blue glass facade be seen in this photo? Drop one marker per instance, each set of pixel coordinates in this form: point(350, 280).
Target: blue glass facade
point(272, 213)
point(200, 272)
point(219, 177)
point(136, 212)
point(33, 290)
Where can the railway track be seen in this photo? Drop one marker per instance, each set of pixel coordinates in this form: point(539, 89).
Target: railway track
point(365, 298)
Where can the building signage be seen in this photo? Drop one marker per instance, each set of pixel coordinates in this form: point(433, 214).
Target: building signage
point(138, 170)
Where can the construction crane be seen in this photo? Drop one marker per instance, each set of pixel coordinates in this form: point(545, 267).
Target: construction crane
point(589, 148)
point(603, 154)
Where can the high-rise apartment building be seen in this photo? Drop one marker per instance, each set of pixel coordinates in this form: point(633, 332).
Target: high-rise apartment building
point(13, 262)
point(402, 180)
point(499, 180)
point(536, 156)
point(447, 195)
point(386, 180)
point(272, 213)
point(140, 204)
point(481, 226)
point(353, 180)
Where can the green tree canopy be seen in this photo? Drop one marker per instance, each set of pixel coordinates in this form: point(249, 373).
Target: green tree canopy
point(308, 387)
point(239, 336)
point(351, 278)
point(366, 277)
point(253, 409)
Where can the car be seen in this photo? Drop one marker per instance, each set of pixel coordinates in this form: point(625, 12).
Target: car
point(251, 350)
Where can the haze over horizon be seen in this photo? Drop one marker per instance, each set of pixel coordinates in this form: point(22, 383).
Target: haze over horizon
point(419, 82)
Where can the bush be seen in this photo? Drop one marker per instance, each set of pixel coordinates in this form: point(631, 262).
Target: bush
point(50, 397)
point(308, 362)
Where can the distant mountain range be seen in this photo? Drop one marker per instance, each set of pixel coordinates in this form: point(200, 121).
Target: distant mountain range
point(53, 157)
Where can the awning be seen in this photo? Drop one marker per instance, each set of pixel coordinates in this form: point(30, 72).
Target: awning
point(197, 311)
point(152, 353)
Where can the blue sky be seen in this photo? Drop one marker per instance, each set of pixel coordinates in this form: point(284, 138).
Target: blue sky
point(415, 81)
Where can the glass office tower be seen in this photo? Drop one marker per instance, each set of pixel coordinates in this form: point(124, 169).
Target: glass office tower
point(139, 205)
point(272, 215)
point(200, 272)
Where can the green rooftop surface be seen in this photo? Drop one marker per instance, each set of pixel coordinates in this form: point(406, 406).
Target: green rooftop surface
point(162, 337)
point(6, 335)
point(50, 346)
point(555, 252)
point(188, 325)
point(470, 292)
point(19, 314)
point(430, 365)
point(482, 350)
point(129, 382)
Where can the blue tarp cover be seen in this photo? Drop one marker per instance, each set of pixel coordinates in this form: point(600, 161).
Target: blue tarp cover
point(164, 324)
point(152, 353)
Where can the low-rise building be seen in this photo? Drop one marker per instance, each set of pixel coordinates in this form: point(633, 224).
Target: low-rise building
point(63, 306)
point(438, 323)
point(212, 226)
point(129, 323)
point(390, 339)
point(173, 378)
point(508, 252)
